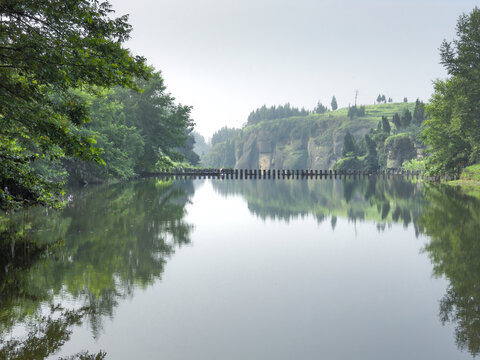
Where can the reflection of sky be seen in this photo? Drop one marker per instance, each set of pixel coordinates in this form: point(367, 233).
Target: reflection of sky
point(254, 289)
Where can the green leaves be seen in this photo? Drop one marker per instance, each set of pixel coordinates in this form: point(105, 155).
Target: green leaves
point(453, 130)
point(48, 47)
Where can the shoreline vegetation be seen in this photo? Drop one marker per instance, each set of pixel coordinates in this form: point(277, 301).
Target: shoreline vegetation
point(469, 182)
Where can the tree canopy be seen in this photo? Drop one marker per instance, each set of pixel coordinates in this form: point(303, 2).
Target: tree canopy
point(48, 50)
point(349, 148)
point(453, 130)
point(334, 103)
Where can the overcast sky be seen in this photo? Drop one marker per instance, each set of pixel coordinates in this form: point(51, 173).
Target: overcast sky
point(226, 58)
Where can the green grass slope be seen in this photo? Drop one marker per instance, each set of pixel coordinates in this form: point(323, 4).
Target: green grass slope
point(311, 141)
point(469, 181)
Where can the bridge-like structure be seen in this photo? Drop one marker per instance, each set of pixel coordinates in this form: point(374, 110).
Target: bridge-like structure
point(244, 174)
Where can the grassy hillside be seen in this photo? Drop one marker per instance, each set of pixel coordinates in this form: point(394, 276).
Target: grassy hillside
point(373, 114)
point(310, 141)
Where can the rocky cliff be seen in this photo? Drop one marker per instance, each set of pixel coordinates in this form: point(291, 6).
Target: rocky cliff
point(313, 141)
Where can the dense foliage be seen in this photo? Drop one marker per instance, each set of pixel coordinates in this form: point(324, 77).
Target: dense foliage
point(453, 130)
point(48, 48)
point(138, 132)
point(56, 56)
point(275, 112)
point(222, 152)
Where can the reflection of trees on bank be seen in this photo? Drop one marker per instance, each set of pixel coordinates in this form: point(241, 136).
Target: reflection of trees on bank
point(452, 222)
point(97, 250)
point(450, 219)
point(375, 199)
point(46, 335)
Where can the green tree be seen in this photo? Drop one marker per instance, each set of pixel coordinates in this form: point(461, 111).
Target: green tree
point(163, 124)
point(370, 162)
point(406, 118)
point(419, 112)
point(320, 108)
point(48, 48)
point(349, 148)
point(396, 121)
point(386, 125)
point(334, 103)
point(453, 130)
point(401, 148)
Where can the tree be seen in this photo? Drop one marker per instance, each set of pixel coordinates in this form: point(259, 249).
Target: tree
point(406, 118)
point(453, 130)
point(349, 147)
point(334, 103)
point(361, 111)
point(370, 162)
point(47, 49)
point(386, 125)
point(320, 109)
point(405, 99)
point(401, 148)
point(419, 112)
point(396, 121)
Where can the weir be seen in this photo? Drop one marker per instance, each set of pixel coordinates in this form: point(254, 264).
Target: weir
point(247, 174)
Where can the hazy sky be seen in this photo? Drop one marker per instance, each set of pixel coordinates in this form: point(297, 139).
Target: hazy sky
point(226, 58)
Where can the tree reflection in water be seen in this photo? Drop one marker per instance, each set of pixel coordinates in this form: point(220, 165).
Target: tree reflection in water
point(384, 201)
point(450, 220)
point(102, 246)
point(111, 240)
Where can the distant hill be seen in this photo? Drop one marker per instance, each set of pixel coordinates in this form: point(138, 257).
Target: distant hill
point(310, 141)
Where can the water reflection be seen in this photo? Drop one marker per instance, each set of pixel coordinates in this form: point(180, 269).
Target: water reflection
point(384, 201)
point(450, 220)
point(96, 251)
point(112, 240)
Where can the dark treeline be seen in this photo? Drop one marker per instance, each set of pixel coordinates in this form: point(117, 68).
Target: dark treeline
point(275, 112)
point(285, 111)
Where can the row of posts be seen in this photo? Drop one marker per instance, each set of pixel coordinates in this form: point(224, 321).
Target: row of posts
point(282, 173)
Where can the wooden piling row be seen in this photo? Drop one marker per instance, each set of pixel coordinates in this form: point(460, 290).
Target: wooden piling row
point(241, 174)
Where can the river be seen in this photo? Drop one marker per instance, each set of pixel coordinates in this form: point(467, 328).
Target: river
point(245, 269)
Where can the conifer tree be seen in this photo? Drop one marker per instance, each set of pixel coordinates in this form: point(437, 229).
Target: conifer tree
point(320, 109)
point(334, 103)
point(349, 148)
point(419, 112)
point(396, 121)
point(386, 125)
point(406, 118)
point(371, 160)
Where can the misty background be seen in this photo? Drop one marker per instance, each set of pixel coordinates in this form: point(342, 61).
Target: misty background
point(226, 58)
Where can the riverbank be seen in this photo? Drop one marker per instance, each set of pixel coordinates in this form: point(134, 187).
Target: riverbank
point(469, 181)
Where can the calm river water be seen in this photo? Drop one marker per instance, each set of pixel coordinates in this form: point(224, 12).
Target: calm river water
point(252, 269)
